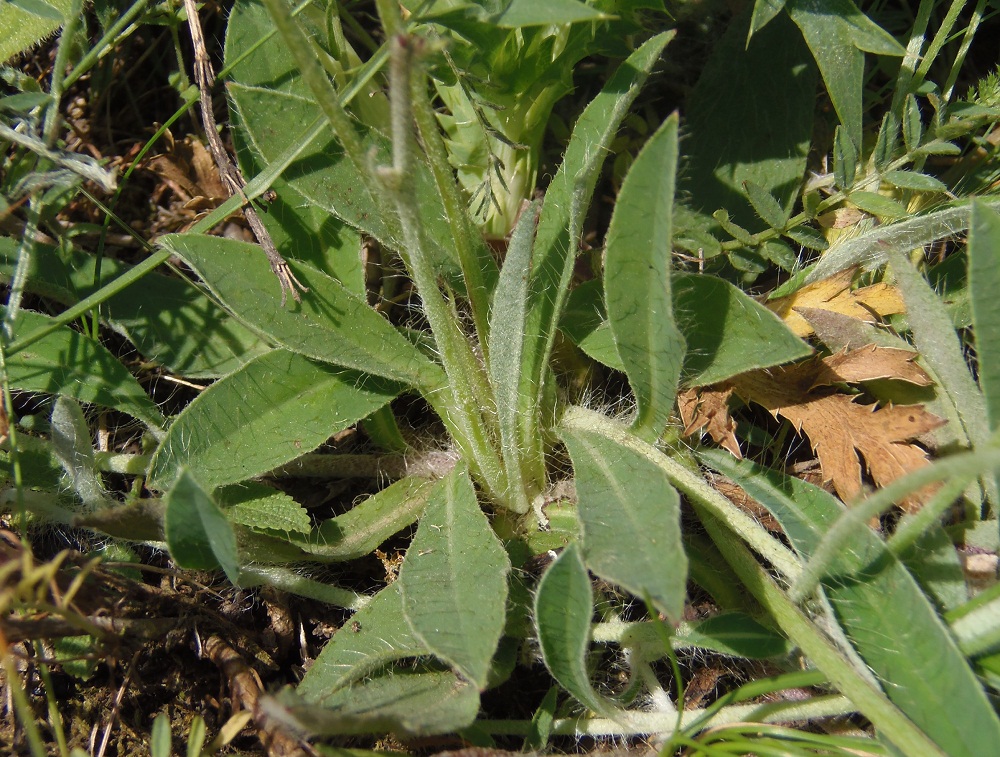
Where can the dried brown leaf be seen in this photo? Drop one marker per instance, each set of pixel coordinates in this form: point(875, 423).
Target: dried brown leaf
point(870, 363)
point(843, 433)
point(708, 408)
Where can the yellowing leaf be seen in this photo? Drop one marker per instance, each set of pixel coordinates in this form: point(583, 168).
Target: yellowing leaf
point(834, 293)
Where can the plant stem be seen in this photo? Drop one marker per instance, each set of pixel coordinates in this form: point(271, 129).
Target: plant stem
point(469, 398)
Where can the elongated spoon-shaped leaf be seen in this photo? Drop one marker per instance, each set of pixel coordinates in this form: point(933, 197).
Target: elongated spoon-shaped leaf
point(885, 614)
point(564, 605)
point(637, 281)
point(272, 410)
point(454, 580)
point(631, 520)
point(566, 202)
point(331, 323)
point(507, 347)
point(377, 635)
point(198, 534)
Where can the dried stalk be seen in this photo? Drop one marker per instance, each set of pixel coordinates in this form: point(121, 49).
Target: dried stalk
point(230, 173)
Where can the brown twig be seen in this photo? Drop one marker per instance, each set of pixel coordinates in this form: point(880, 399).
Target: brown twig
point(232, 178)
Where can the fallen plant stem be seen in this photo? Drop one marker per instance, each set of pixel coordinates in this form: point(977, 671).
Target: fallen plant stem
point(230, 173)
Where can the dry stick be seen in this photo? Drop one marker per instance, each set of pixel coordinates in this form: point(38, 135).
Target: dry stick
point(228, 170)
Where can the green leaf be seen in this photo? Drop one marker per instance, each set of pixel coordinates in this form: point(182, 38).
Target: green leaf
point(984, 284)
point(361, 529)
point(376, 635)
point(769, 83)
point(167, 319)
point(837, 33)
point(559, 226)
point(564, 604)
point(840, 61)
point(67, 363)
point(883, 611)
point(763, 12)
point(730, 633)
point(737, 232)
point(405, 702)
point(585, 323)
point(160, 736)
point(520, 13)
point(845, 158)
point(41, 9)
point(507, 346)
point(24, 27)
point(276, 111)
point(885, 142)
point(637, 281)
point(733, 633)
point(727, 332)
point(807, 237)
point(941, 350)
point(72, 448)
point(934, 562)
point(870, 248)
point(918, 182)
point(878, 205)
point(197, 532)
point(272, 410)
point(912, 126)
point(769, 210)
point(330, 324)
point(631, 521)
point(454, 580)
point(263, 509)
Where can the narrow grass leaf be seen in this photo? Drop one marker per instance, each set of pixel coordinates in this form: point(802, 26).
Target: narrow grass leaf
point(454, 580)
point(881, 608)
point(376, 635)
point(984, 284)
point(637, 281)
point(198, 535)
point(728, 332)
point(630, 516)
point(67, 363)
point(330, 324)
point(269, 412)
point(564, 604)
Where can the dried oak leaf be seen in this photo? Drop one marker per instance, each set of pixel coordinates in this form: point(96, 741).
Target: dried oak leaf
point(841, 432)
point(834, 293)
